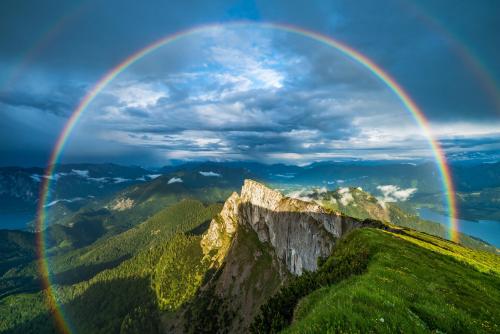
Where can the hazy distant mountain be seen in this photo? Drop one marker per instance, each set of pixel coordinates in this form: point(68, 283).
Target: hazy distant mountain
point(75, 186)
point(467, 176)
point(72, 186)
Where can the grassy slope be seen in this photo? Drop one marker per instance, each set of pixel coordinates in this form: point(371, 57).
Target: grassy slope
point(183, 216)
point(409, 286)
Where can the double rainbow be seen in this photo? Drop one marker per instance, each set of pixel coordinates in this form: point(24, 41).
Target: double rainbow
point(410, 105)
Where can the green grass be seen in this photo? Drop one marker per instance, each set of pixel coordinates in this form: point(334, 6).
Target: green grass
point(410, 287)
point(481, 260)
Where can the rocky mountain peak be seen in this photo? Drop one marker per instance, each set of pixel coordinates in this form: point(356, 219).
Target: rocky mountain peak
point(299, 232)
point(258, 194)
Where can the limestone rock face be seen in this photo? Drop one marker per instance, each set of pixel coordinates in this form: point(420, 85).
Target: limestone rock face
point(217, 239)
point(299, 232)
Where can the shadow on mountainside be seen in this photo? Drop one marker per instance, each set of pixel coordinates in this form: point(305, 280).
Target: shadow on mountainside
point(85, 272)
point(118, 305)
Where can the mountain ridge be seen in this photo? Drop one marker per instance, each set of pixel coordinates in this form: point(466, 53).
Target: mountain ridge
point(291, 226)
point(259, 240)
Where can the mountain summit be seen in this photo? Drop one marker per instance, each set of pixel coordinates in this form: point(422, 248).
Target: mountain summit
point(299, 232)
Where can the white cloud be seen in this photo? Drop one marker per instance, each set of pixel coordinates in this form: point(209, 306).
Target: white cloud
point(55, 176)
point(82, 173)
point(175, 180)
point(392, 193)
point(248, 68)
point(210, 174)
point(98, 179)
point(321, 190)
point(301, 194)
point(469, 130)
point(63, 200)
point(139, 95)
point(346, 196)
point(153, 176)
point(306, 194)
point(120, 179)
point(285, 156)
point(286, 176)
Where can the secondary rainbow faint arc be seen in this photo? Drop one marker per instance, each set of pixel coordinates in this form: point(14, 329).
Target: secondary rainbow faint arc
point(410, 105)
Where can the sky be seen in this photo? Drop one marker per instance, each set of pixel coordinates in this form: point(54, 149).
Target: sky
point(248, 92)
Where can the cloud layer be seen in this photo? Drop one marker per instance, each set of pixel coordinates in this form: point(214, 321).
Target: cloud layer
point(236, 93)
point(392, 193)
point(248, 95)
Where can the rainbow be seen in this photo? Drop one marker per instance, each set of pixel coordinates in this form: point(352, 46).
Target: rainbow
point(376, 70)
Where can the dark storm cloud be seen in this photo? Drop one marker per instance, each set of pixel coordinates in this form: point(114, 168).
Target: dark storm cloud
point(58, 105)
point(42, 103)
point(280, 117)
point(427, 46)
point(94, 34)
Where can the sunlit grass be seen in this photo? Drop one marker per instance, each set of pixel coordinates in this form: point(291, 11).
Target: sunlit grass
point(424, 285)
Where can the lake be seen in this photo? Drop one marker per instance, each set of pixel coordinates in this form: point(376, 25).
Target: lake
point(487, 230)
point(15, 220)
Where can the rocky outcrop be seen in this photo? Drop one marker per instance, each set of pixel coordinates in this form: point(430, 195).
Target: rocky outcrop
point(217, 239)
point(122, 204)
point(299, 232)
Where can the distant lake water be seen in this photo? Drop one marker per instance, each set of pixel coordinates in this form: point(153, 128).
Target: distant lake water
point(16, 220)
point(487, 230)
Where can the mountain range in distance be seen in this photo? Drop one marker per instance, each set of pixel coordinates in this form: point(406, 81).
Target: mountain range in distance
point(74, 186)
